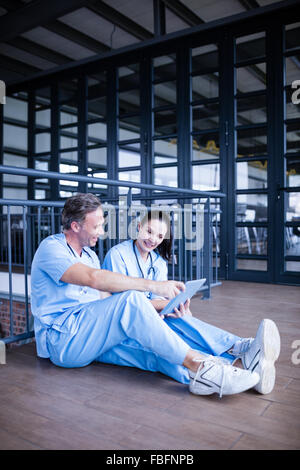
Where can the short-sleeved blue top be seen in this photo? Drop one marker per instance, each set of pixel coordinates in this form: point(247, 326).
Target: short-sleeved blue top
point(51, 299)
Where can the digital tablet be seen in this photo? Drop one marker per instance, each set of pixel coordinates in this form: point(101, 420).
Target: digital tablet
point(191, 287)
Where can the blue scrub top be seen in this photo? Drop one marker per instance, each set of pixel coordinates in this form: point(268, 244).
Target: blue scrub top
point(122, 258)
point(51, 299)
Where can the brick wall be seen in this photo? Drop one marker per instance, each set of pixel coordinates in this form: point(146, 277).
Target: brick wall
point(19, 318)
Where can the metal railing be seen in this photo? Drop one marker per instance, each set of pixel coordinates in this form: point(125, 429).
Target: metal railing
point(195, 226)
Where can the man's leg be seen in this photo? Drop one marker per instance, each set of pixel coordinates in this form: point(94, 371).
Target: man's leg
point(103, 324)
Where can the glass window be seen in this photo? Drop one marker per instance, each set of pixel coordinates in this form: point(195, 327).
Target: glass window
point(127, 158)
point(205, 147)
point(293, 137)
point(252, 207)
point(251, 142)
point(249, 47)
point(166, 176)
point(292, 34)
point(164, 93)
point(204, 57)
point(206, 177)
point(292, 173)
point(205, 116)
point(165, 150)
point(292, 207)
point(251, 240)
point(164, 68)
point(252, 175)
point(205, 86)
point(251, 110)
point(251, 78)
point(165, 122)
point(252, 264)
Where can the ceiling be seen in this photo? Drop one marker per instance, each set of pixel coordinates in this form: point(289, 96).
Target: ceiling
point(34, 38)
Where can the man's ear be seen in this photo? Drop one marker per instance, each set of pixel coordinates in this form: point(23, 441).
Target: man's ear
point(75, 226)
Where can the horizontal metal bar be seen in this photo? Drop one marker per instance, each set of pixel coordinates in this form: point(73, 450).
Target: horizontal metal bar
point(87, 179)
point(22, 336)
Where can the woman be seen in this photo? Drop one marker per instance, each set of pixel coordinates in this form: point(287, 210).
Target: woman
point(147, 257)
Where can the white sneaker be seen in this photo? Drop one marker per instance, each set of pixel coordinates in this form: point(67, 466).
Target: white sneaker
point(217, 376)
point(262, 354)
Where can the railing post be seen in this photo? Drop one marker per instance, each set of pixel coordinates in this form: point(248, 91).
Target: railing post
point(2, 353)
point(207, 249)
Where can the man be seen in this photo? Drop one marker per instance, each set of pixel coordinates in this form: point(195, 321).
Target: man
point(75, 326)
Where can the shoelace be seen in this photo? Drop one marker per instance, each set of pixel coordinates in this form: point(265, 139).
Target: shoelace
point(215, 360)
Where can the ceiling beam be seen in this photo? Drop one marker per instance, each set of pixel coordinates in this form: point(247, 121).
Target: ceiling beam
point(39, 51)
point(118, 19)
point(34, 14)
point(183, 12)
point(76, 36)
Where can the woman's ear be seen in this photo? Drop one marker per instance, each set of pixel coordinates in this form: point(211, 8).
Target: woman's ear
point(138, 227)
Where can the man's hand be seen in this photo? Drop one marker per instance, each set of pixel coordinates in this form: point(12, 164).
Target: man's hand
point(168, 289)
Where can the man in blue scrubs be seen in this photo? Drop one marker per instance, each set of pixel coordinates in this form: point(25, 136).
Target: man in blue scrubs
point(74, 324)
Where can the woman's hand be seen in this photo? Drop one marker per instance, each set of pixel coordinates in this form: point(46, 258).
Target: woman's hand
point(184, 309)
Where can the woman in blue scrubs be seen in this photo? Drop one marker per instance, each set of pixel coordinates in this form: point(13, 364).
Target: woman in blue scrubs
point(147, 257)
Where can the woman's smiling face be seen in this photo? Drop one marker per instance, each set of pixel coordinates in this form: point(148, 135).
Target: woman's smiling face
point(151, 235)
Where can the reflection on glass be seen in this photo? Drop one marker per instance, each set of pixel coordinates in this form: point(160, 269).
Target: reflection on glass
point(205, 86)
point(43, 142)
point(252, 175)
point(292, 207)
point(250, 47)
point(97, 174)
point(252, 264)
point(292, 35)
point(166, 176)
point(205, 149)
point(129, 77)
point(165, 151)
point(165, 122)
point(97, 108)
point(293, 173)
point(127, 158)
point(293, 137)
point(164, 68)
point(129, 128)
point(68, 138)
point(251, 110)
point(205, 116)
point(292, 266)
point(164, 93)
point(251, 142)
point(204, 57)
point(129, 101)
point(252, 207)
point(251, 78)
point(292, 108)
point(133, 175)
point(291, 69)
point(252, 240)
point(68, 91)
point(98, 157)
point(96, 133)
point(206, 177)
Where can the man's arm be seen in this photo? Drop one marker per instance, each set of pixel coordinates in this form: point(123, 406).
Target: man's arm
point(108, 281)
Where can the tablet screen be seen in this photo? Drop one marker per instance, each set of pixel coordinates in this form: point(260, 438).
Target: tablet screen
point(191, 288)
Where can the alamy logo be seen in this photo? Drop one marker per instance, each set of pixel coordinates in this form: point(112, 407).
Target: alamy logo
point(2, 92)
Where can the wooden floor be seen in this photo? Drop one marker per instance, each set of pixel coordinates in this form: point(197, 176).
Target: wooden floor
point(110, 407)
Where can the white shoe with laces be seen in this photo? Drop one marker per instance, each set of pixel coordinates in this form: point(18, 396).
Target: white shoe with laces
point(216, 376)
point(261, 355)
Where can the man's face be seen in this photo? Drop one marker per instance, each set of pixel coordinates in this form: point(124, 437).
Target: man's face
point(90, 230)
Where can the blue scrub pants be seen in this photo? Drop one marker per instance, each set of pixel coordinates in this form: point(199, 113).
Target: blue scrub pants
point(125, 329)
